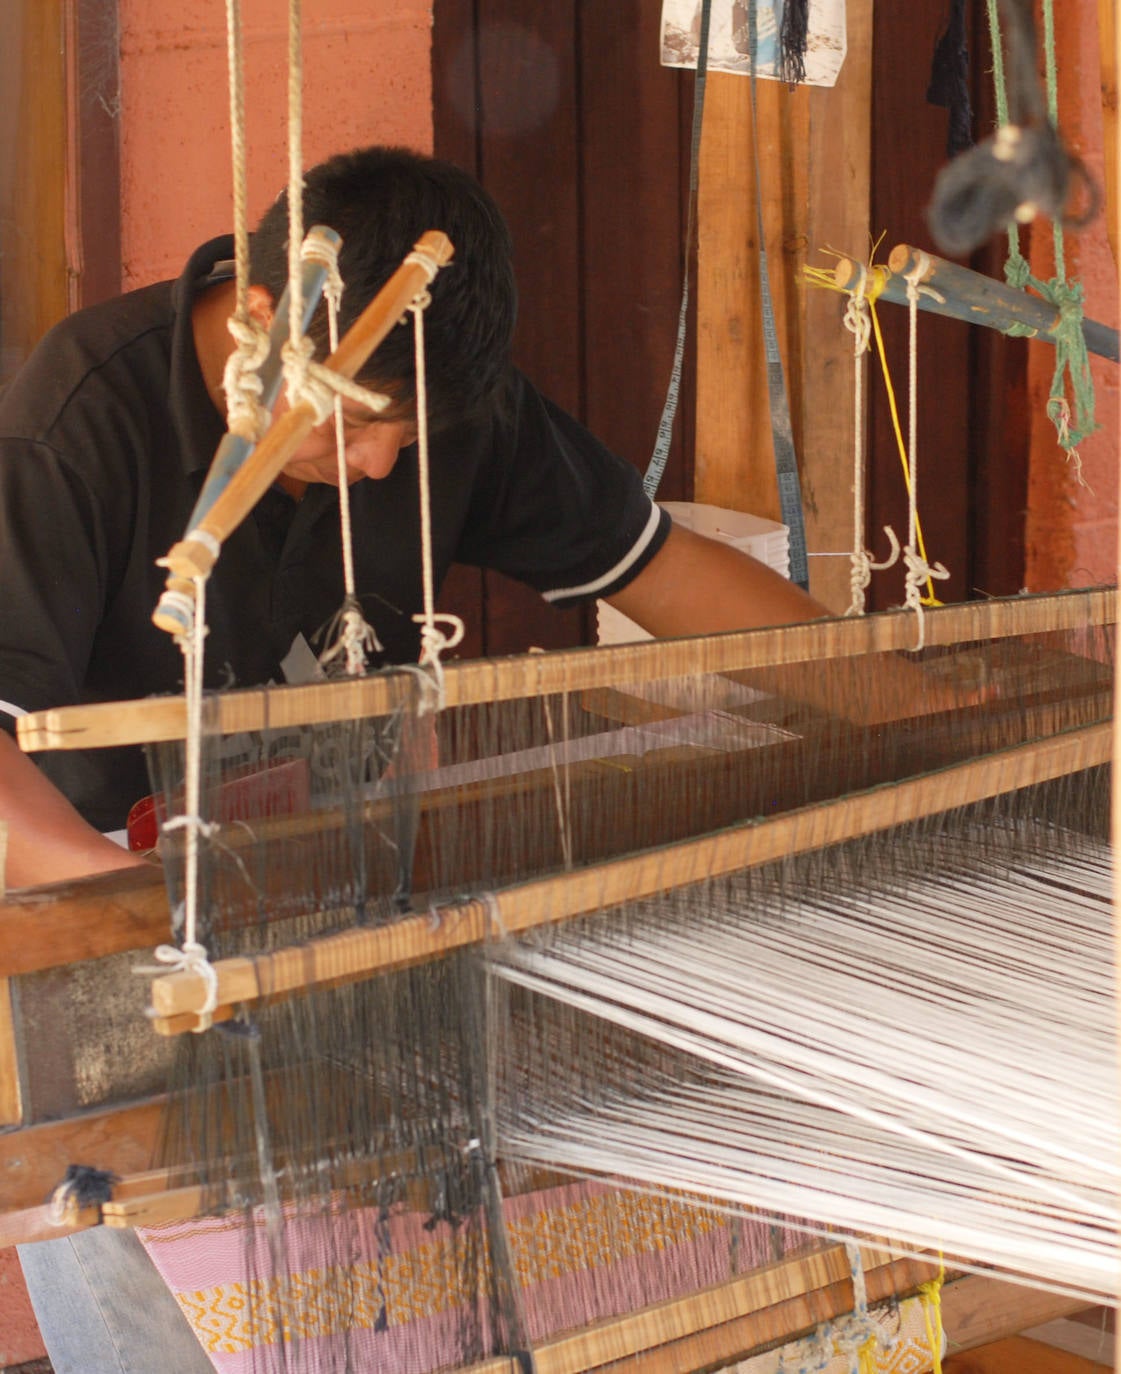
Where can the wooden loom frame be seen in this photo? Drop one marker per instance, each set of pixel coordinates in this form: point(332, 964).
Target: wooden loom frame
point(783, 1300)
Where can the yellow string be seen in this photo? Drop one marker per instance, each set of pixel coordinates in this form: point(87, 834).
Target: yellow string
point(877, 279)
point(930, 1295)
point(929, 599)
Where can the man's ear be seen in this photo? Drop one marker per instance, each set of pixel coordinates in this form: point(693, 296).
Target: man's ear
point(262, 307)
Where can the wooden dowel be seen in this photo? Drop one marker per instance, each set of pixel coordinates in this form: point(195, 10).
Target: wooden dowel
point(194, 555)
point(973, 297)
point(360, 953)
point(159, 719)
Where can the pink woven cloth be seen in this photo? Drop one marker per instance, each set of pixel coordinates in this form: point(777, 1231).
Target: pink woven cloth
point(388, 1293)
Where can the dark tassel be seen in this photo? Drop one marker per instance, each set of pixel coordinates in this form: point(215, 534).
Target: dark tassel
point(949, 81)
point(85, 1186)
point(792, 40)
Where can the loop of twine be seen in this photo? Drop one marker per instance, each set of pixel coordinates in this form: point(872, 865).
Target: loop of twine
point(422, 257)
point(433, 643)
point(190, 957)
point(312, 384)
point(241, 381)
point(357, 639)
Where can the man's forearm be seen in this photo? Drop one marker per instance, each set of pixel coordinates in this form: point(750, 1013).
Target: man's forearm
point(695, 586)
point(48, 840)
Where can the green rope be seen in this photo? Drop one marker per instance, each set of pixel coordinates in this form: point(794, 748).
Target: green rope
point(1072, 359)
point(1053, 114)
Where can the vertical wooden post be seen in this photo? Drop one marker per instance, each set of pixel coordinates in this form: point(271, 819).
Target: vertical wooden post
point(734, 456)
point(840, 163)
point(814, 148)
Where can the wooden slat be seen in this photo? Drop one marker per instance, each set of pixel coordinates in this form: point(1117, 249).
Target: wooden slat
point(65, 923)
point(634, 146)
point(11, 1106)
point(194, 556)
point(50, 926)
point(777, 1324)
point(34, 1161)
point(33, 267)
point(909, 149)
point(163, 718)
point(357, 953)
point(774, 1303)
point(977, 1310)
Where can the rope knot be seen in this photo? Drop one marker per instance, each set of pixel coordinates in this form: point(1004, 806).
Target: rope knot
point(190, 957)
point(1017, 271)
point(421, 257)
point(241, 381)
point(857, 319)
point(357, 639)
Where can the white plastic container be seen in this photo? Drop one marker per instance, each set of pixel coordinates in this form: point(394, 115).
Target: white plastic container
point(766, 540)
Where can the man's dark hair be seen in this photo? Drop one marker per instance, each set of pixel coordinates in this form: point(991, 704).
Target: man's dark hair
point(380, 200)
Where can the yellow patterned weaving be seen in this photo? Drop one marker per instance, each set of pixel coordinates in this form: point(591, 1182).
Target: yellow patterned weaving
point(592, 1233)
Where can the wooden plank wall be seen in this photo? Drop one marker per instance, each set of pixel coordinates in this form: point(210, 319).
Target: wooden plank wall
point(33, 147)
point(566, 116)
point(973, 438)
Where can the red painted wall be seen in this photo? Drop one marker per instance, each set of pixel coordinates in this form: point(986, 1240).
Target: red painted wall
point(1072, 528)
point(367, 80)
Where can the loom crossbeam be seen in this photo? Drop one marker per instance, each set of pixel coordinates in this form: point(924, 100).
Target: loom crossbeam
point(959, 293)
point(155, 720)
point(760, 771)
point(359, 953)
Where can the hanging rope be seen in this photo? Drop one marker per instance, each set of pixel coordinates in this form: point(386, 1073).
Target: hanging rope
point(1022, 170)
point(858, 321)
point(191, 955)
point(241, 382)
point(356, 638)
point(434, 642)
point(919, 570)
point(1072, 359)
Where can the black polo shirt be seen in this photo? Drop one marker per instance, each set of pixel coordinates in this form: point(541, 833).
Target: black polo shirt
point(105, 438)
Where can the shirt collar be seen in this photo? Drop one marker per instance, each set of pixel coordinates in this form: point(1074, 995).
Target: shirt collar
point(198, 426)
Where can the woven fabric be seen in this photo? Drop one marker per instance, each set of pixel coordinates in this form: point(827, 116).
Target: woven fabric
point(580, 1253)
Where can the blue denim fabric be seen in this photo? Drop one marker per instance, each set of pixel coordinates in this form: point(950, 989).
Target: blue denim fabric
point(103, 1308)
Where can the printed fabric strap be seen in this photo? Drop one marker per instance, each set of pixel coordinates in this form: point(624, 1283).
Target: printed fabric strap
point(782, 433)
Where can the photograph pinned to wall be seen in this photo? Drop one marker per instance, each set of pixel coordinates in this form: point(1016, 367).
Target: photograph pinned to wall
point(728, 37)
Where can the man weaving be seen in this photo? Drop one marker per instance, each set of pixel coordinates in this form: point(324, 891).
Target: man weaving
point(105, 439)
point(107, 432)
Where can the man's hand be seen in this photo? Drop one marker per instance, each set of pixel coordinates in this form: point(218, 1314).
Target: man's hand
point(48, 841)
point(698, 586)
